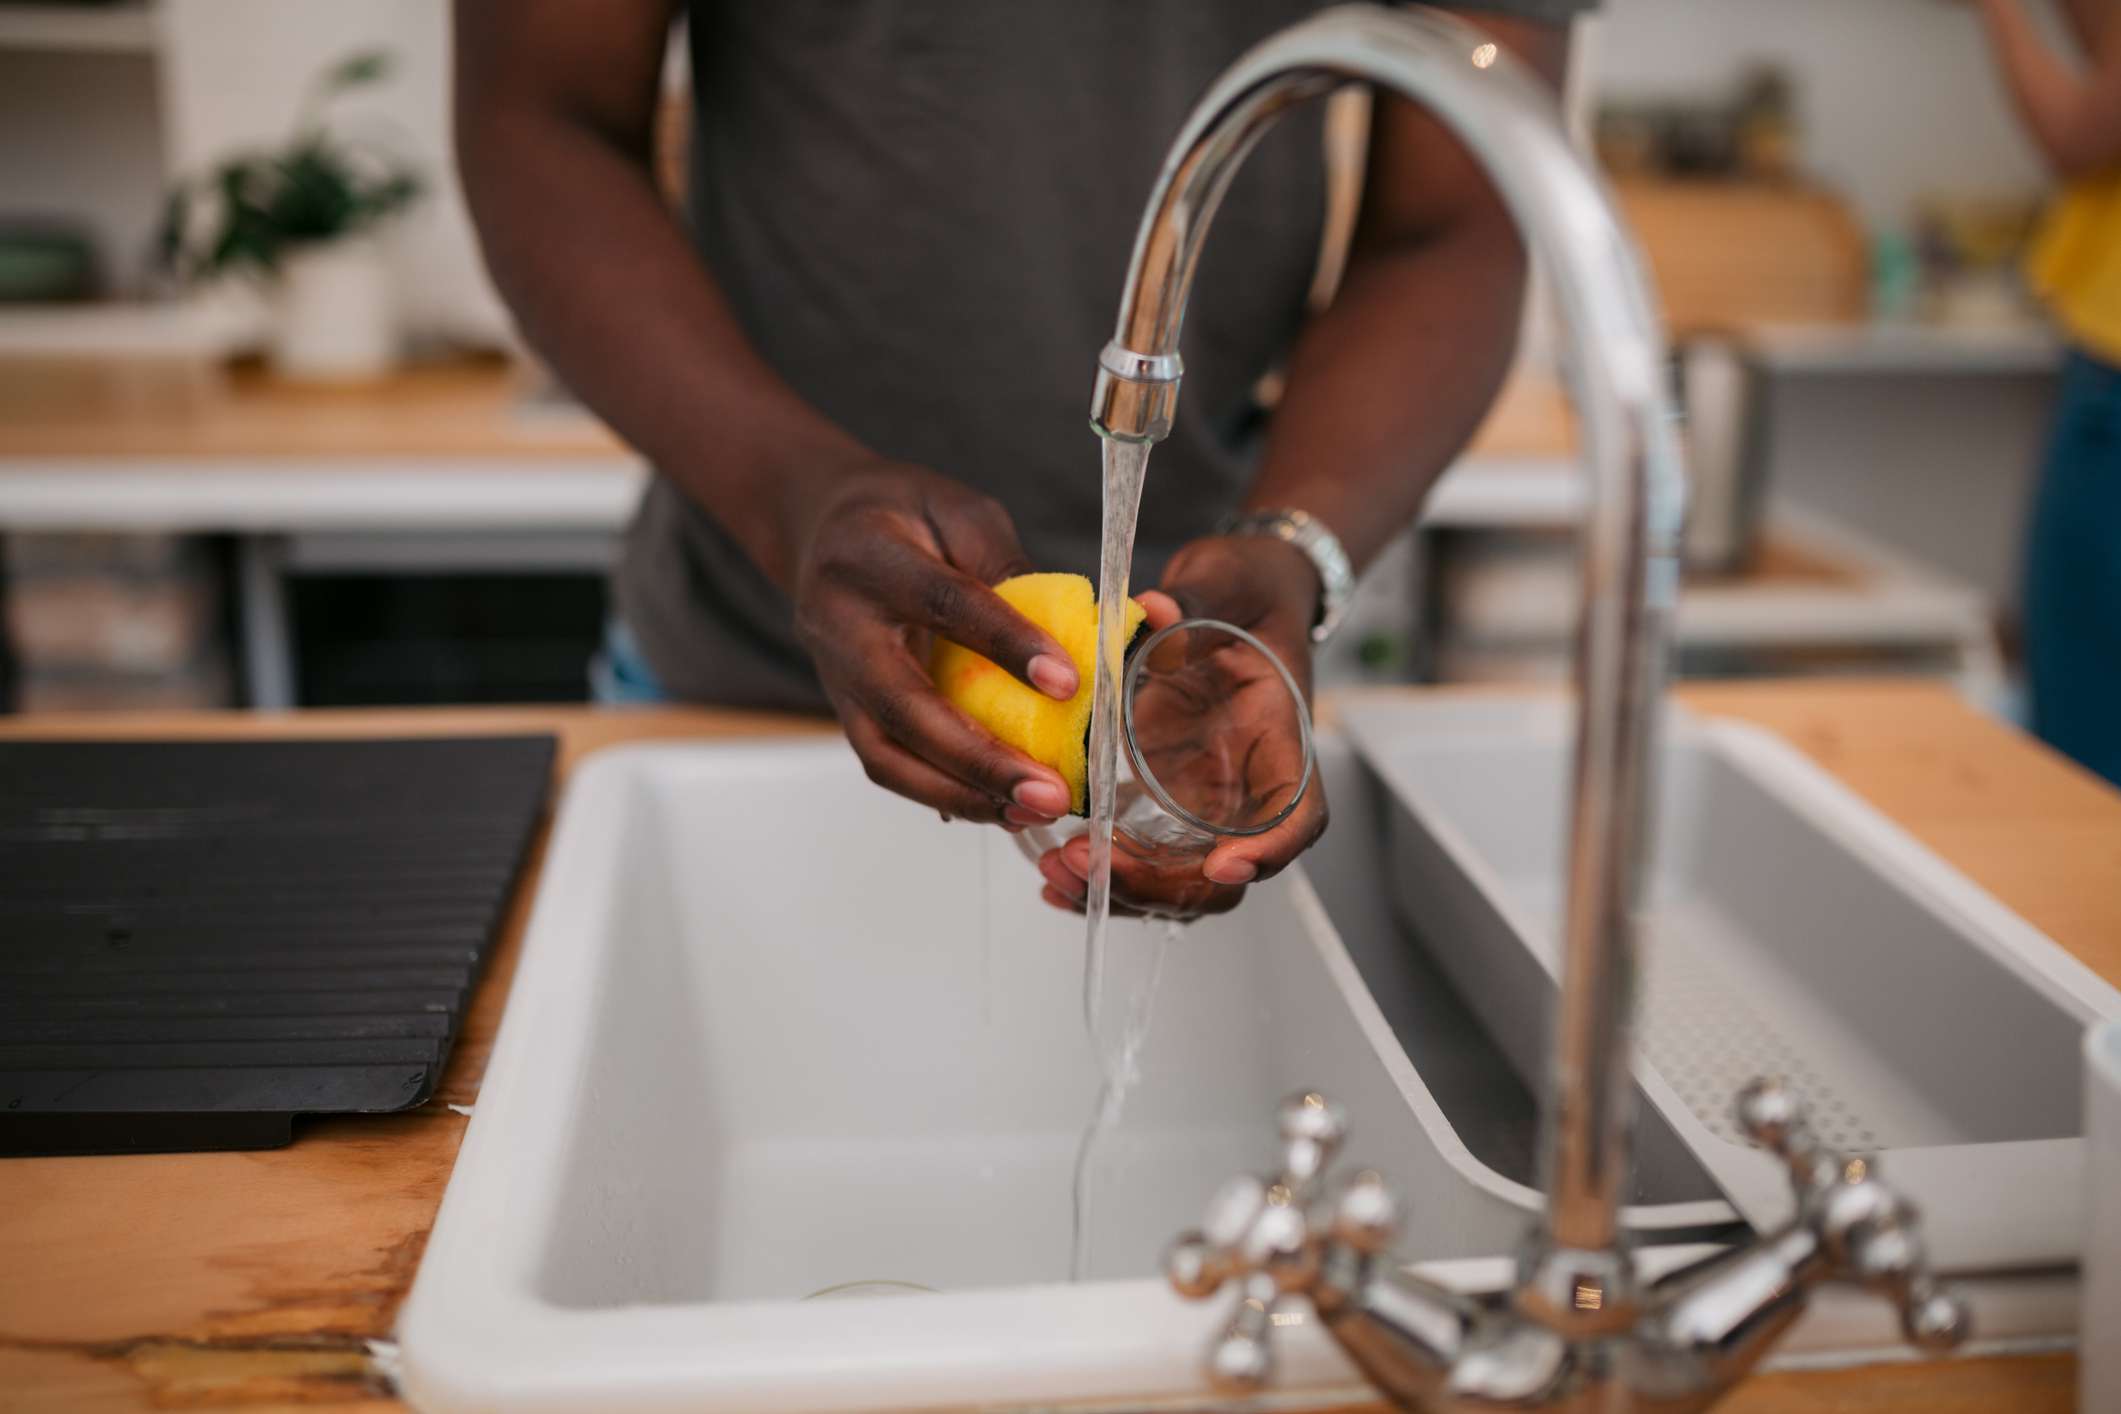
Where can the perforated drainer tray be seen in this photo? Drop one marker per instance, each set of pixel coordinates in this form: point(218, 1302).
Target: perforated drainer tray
point(1708, 1035)
point(201, 940)
point(1707, 1022)
point(1789, 931)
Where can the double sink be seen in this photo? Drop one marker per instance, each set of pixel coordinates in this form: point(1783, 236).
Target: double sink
point(785, 1108)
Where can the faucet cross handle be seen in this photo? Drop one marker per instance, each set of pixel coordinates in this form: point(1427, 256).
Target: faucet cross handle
point(1262, 1235)
point(1869, 1234)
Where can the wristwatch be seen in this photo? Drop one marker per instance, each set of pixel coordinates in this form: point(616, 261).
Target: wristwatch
point(1336, 577)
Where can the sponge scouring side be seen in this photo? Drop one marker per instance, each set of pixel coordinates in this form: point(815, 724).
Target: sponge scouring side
point(1052, 733)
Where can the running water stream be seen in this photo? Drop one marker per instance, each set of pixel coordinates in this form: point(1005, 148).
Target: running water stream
point(1119, 1056)
point(1116, 1038)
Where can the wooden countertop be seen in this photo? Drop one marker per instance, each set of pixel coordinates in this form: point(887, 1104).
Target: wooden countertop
point(170, 444)
point(174, 409)
point(253, 1281)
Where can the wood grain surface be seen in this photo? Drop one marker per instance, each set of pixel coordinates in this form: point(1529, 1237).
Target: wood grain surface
point(174, 409)
point(170, 410)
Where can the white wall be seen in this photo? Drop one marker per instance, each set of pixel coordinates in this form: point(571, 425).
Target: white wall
point(234, 74)
point(1897, 96)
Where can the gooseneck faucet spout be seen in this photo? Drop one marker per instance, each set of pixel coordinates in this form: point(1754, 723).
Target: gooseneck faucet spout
point(1576, 1315)
point(1507, 120)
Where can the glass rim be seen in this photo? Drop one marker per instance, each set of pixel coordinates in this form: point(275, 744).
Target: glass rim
point(1147, 777)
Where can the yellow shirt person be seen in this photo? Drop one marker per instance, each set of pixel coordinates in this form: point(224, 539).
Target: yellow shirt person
point(2072, 609)
point(2075, 265)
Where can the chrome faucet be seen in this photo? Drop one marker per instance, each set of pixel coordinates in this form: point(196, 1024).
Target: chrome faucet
point(1579, 1329)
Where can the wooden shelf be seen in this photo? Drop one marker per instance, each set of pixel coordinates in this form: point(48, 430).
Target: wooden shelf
point(107, 29)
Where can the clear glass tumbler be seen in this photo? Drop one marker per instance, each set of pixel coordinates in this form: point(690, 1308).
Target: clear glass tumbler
point(1216, 743)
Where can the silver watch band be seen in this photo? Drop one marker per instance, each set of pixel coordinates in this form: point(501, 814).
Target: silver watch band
point(1336, 576)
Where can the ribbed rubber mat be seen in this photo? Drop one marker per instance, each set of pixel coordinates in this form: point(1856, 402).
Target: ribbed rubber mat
point(201, 940)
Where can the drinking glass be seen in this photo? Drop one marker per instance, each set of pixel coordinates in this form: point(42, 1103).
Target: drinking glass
point(1216, 744)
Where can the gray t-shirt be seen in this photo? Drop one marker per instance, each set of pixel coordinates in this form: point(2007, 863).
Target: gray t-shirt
point(921, 213)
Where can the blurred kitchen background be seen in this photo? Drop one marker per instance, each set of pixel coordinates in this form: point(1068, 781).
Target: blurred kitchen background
point(212, 496)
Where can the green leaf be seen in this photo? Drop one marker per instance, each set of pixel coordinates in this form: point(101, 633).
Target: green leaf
point(315, 189)
point(364, 67)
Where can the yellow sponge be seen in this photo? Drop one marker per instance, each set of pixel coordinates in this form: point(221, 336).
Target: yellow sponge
point(1053, 733)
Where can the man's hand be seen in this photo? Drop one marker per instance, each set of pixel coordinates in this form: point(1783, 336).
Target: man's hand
point(1270, 589)
point(887, 556)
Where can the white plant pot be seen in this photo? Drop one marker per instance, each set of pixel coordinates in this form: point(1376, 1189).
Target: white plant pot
point(336, 319)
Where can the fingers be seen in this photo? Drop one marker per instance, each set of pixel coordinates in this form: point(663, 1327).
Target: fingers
point(1143, 885)
point(1060, 880)
point(1242, 859)
point(898, 695)
point(951, 602)
point(1161, 609)
point(901, 555)
point(1159, 884)
point(1068, 896)
point(899, 771)
point(975, 534)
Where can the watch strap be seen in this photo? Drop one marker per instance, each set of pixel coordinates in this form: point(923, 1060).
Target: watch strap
point(1336, 575)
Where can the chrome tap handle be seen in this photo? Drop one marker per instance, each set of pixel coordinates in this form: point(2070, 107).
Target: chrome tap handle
point(1260, 1234)
point(1312, 1130)
point(1868, 1233)
point(1241, 1359)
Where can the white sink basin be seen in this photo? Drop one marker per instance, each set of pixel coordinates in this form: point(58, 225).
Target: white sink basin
point(775, 1031)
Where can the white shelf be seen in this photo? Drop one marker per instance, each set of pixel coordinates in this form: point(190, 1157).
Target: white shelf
point(1904, 349)
point(108, 29)
point(202, 328)
point(280, 495)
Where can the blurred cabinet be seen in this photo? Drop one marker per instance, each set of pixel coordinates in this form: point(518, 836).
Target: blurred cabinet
point(1817, 599)
point(364, 640)
point(1728, 255)
point(99, 621)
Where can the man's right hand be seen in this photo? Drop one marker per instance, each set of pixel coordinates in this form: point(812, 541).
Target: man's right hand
point(556, 104)
point(886, 557)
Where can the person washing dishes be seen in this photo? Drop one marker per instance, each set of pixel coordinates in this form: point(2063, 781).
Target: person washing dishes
point(862, 373)
point(2073, 552)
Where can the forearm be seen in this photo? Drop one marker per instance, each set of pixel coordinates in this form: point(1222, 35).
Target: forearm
point(611, 293)
point(2074, 116)
point(1389, 383)
point(2090, 20)
point(1387, 386)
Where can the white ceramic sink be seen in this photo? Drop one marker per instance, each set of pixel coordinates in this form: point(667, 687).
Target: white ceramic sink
point(775, 1031)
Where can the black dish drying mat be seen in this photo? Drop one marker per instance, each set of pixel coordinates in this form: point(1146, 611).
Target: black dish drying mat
point(200, 940)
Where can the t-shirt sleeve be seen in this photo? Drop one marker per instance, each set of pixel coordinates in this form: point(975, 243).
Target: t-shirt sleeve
point(1552, 11)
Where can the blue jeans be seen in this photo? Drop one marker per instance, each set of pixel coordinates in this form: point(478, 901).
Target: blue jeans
point(619, 674)
point(2073, 572)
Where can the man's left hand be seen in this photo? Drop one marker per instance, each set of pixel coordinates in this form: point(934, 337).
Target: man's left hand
point(1270, 589)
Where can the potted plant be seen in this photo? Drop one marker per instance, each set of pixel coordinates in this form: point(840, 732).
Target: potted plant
point(303, 219)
